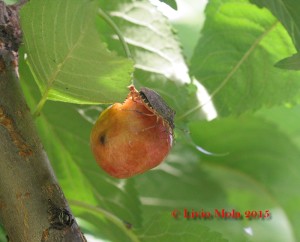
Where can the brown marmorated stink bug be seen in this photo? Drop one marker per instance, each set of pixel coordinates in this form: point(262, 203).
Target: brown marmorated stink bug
point(156, 104)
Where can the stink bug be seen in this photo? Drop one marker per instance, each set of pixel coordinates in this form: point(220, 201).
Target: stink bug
point(155, 103)
point(159, 106)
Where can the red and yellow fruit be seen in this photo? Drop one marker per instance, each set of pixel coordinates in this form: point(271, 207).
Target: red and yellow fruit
point(130, 138)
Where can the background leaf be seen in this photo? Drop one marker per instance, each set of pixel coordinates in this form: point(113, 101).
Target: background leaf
point(290, 63)
point(235, 55)
point(150, 37)
point(171, 3)
point(285, 118)
point(161, 228)
point(2, 234)
point(66, 56)
point(288, 13)
point(256, 150)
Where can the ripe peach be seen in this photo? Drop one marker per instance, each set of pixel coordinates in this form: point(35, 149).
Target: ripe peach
point(130, 138)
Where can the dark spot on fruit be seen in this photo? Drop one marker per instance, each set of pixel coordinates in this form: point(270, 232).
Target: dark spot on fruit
point(102, 139)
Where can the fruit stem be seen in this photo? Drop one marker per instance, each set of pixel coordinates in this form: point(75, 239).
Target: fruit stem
point(112, 24)
point(114, 219)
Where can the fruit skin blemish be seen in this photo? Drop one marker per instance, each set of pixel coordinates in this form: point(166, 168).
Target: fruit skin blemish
point(133, 137)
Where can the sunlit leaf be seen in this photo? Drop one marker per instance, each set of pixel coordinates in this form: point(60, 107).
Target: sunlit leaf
point(235, 57)
point(288, 13)
point(66, 56)
point(149, 35)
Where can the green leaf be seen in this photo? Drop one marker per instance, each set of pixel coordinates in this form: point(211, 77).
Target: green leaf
point(2, 234)
point(284, 118)
point(288, 13)
point(66, 56)
point(235, 55)
point(255, 150)
point(150, 37)
point(171, 3)
point(290, 63)
point(162, 228)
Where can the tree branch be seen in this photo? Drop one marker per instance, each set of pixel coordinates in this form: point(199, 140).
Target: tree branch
point(32, 204)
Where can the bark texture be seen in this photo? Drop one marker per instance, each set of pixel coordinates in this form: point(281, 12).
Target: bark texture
point(32, 204)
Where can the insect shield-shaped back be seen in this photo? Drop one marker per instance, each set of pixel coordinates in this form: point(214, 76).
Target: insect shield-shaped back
point(158, 105)
point(135, 136)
